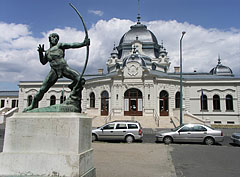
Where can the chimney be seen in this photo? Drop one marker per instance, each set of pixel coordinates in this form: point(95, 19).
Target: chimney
point(177, 69)
point(100, 71)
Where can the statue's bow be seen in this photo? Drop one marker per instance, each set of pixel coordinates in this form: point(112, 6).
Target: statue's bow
point(86, 37)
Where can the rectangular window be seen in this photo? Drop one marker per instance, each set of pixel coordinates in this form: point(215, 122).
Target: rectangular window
point(132, 126)
point(139, 104)
point(14, 103)
point(126, 104)
point(121, 126)
point(109, 126)
point(2, 103)
point(217, 122)
point(230, 122)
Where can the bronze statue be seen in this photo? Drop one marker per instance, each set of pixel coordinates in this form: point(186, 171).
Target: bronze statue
point(59, 67)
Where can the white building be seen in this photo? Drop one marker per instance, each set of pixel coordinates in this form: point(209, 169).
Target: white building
point(8, 104)
point(138, 84)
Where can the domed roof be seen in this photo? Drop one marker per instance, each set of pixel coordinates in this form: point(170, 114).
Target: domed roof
point(141, 32)
point(137, 58)
point(221, 69)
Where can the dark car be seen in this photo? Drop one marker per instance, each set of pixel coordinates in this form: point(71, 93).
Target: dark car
point(236, 138)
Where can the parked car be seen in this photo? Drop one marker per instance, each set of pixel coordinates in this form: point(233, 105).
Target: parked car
point(128, 131)
point(191, 133)
point(236, 138)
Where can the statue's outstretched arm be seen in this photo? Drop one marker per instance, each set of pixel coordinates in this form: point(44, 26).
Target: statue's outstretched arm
point(42, 57)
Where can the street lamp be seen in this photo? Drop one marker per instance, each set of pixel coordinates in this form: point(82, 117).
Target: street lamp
point(181, 99)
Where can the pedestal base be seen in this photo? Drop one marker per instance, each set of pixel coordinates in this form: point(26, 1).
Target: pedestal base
point(47, 144)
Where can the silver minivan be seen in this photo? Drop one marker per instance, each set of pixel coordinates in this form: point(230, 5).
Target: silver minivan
point(128, 131)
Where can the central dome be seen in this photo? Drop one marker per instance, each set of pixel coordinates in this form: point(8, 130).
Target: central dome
point(140, 32)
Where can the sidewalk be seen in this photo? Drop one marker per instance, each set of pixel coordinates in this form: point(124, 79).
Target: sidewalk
point(132, 160)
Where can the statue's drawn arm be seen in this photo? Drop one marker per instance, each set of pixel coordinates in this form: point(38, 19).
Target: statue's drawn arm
point(71, 45)
point(75, 44)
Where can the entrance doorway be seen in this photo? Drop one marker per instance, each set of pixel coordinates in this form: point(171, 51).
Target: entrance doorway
point(133, 102)
point(104, 103)
point(163, 103)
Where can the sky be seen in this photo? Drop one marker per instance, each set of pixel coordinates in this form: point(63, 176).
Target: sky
point(212, 31)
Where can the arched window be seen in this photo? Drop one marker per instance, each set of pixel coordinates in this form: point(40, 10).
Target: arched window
point(92, 100)
point(177, 100)
point(216, 102)
point(62, 99)
point(52, 100)
point(29, 100)
point(104, 103)
point(229, 102)
point(133, 102)
point(163, 103)
point(204, 105)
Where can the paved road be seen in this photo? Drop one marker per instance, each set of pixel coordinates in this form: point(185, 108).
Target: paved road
point(194, 160)
point(132, 160)
point(189, 159)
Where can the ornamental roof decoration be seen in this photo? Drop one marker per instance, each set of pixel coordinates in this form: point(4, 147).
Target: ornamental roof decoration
point(220, 69)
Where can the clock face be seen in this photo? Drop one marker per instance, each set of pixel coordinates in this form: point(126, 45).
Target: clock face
point(132, 70)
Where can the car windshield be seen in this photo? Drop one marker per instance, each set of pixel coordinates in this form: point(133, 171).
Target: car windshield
point(176, 128)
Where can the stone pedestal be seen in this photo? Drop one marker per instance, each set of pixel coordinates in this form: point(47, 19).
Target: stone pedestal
point(48, 144)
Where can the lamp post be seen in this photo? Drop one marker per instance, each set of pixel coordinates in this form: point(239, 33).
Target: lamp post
point(181, 99)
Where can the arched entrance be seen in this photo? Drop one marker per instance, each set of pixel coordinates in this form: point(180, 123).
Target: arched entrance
point(163, 103)
point(104, 103)
point(133, 102)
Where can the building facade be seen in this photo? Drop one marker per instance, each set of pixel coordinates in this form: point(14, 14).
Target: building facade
point(138, 83)
point(8, 104)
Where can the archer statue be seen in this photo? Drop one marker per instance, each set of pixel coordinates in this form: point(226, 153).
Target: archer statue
point(59, 68)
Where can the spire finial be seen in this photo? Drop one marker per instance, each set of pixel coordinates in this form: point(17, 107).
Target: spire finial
point(219, 60)
point(138, 17)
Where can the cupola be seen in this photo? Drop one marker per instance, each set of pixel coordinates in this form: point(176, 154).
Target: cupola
point(221, 69)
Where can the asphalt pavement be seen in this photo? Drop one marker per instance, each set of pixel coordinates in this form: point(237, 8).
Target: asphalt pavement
point(195, 160)
point(132, 160)
point(151, 159)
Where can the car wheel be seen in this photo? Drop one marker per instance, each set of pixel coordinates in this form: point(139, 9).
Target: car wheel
point(94, 137)
point(129, 139)
point(209, 141)
point(167, 140)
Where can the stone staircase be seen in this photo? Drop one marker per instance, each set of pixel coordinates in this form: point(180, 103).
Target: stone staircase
point(190, 119)
point(149, 121)
point(6, 113)
point(145, 121)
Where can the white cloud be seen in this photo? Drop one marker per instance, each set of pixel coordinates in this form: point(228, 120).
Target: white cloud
point(19, 57)
point(96, 12)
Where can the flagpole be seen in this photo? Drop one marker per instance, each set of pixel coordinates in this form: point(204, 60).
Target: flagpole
point(202, 101)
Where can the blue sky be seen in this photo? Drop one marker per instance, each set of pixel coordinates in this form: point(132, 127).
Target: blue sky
point(48, 14)
point(212, 27)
